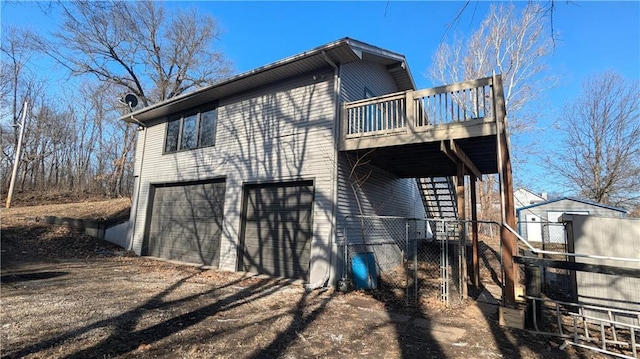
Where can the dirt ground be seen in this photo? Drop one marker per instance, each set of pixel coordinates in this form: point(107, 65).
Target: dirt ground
point(64, 294)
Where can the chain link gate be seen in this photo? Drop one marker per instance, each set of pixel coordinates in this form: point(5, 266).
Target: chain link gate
point(403, 260)
point(447, 249)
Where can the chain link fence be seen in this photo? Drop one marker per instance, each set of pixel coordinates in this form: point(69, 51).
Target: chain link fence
point(550, 236)
point(403, 260)
point(556, 283)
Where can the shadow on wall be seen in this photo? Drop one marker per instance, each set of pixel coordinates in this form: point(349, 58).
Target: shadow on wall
point(216, 209)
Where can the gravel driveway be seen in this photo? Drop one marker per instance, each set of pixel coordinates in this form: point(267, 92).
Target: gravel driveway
point(67, 295)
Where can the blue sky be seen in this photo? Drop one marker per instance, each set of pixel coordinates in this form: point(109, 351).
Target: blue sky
point(592, 37)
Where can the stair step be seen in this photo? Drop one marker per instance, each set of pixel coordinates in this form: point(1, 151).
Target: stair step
point(439, 197)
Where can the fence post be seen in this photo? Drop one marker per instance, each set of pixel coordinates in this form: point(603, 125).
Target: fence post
point(415, 267)
point(444, 263)
point(406, 251)
point(533, 286)
point(474, 232)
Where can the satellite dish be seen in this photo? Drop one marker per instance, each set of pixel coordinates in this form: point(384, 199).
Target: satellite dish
point(131, 100)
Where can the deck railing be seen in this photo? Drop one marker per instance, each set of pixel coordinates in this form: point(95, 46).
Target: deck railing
point(418, 110)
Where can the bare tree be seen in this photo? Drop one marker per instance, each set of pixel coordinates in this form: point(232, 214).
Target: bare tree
point(515, 44)
point(600, 152)
point(137, 47)
point(140, 48)
point(18, 83)
point(72, 139)
point(549, 8)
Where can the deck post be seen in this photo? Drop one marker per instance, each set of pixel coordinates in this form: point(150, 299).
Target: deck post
point(410, 113)
point(461, 227)
point(474, 231)
point(344, 125)
point(509, 248)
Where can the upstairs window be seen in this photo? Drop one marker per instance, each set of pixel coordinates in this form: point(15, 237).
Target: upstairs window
point(190, 130)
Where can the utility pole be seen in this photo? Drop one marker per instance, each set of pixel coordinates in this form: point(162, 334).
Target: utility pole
point(16, 160)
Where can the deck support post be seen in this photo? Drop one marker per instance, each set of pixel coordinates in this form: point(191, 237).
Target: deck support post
point(474, 231)
point(460, 189)
point(509, 247)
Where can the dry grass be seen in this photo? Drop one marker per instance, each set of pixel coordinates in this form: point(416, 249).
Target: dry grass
point(98, 211)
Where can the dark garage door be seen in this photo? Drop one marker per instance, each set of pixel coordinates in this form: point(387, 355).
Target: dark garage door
point(277, 231)
point(186, 222)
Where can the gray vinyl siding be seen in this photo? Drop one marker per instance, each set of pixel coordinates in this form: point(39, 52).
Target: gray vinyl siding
point(356, 76)
point(278, 133)
point(382, 193)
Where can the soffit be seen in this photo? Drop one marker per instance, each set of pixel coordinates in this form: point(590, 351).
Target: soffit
point(339, 52)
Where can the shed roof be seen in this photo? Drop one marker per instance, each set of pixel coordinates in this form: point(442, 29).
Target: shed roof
point(340, 52)
point(585, 201)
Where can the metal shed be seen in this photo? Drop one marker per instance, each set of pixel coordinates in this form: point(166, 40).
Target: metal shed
point(539, 222)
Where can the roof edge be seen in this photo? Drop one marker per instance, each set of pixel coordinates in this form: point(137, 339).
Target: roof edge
point(355, 45)
point(585, 201)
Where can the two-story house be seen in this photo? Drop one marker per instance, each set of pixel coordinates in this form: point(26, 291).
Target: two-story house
point(256, 173)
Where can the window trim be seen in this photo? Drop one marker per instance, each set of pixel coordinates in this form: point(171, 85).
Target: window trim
point(184, 116)
point(171, 119)
point(180, 117)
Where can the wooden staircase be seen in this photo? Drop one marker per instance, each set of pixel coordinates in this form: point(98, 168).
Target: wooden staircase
point(439, 197)
point(431, 135)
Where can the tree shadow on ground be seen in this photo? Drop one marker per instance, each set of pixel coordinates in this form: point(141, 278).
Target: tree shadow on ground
point(413, 327)
point(511, 342)
point(23, 277)
point(125, 337)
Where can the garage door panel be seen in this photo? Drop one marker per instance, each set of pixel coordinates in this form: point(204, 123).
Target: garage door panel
point(276, 264)
point(186, 222)
point(297, 231)
point(185, 219)
point(285, 253)
point(186, 209)
point(191, 237)
point(188, 256)
point(289, 249)
point(290, 204)
point(277, 229)
point(279, 215)
point(277, 198)
point(287, 270)
point(178, 241)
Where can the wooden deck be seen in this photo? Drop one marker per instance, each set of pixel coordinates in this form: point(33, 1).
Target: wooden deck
point(415, 133)
point(456, 131)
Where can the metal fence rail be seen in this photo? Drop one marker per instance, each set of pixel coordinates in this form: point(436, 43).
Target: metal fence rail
point(613, 331)
point(593, 295)
point(551, 236)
